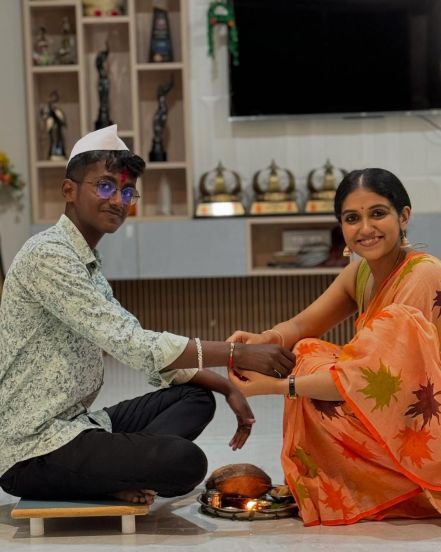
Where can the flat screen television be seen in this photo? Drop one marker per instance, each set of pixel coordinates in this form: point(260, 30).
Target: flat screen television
point(345, 57)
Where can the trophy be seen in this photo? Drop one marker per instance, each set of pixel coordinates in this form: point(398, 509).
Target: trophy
point(157, 152)
point(160, 43)
point(55, 121)
point(219, 193)
point(321, 184)
point(274, 191)
point(103, 119)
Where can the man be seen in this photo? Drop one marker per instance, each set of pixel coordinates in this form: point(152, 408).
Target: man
point(57, 316)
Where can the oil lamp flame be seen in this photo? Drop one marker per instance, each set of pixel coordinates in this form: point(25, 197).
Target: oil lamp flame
point(251, 505)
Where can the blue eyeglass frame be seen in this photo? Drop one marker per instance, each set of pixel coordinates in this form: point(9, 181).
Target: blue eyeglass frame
point(104, 194)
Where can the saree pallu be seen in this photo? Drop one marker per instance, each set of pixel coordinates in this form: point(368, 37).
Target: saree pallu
point(376, 453)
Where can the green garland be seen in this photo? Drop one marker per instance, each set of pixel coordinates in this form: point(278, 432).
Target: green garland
point(222, 13)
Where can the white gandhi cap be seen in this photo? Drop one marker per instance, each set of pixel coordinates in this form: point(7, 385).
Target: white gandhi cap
point(102, 139)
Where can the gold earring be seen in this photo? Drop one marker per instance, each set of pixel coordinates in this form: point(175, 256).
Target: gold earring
point(405, 243)
point(347, 252)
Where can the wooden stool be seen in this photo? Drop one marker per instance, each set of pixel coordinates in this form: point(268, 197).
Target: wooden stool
point(37, 510)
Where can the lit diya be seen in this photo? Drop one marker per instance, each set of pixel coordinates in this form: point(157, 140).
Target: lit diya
point(244, 491)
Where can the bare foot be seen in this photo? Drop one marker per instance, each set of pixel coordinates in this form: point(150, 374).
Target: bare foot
point(143, 496)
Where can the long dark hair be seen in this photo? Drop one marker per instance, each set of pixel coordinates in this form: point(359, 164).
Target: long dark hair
point(380, 181)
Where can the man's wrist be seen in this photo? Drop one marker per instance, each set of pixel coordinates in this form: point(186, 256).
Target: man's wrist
point(236, 355)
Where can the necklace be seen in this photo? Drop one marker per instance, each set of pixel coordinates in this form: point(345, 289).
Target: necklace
point(400, 258)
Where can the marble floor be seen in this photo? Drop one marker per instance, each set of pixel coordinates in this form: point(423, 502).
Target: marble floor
point(178, 524)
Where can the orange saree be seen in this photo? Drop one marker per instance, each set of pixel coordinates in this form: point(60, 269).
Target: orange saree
point(377, 453)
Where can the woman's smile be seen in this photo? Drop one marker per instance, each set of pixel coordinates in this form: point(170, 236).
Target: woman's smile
point(369, 242)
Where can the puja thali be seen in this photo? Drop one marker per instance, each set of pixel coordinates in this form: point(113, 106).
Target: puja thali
point(268, 506)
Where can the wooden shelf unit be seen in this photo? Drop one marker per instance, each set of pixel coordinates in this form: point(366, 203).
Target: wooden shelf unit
point(264, 238)
point(132, 98)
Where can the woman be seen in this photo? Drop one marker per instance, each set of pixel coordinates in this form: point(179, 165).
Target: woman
point(362, 439)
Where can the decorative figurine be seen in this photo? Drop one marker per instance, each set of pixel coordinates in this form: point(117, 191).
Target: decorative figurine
point(160, 43)
point(41, 54)
point(55, 121)
point(66, 54)
point(157, 152)
point(103, 119)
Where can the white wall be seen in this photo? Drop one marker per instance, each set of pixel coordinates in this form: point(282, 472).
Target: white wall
point(14, 223)
point(408, 146)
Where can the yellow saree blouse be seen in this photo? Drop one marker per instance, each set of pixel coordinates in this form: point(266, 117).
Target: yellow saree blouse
point(377, 453)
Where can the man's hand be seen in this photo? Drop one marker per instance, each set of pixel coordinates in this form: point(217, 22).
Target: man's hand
point(270, 360)
point(245, 418)
point(234, 398)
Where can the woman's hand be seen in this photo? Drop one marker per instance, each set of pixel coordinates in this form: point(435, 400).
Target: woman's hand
point(252, 383)
point(240, 336)
point(245, 417)
point(270, 360)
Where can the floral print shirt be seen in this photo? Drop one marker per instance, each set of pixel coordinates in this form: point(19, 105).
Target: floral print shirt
point(57, 315)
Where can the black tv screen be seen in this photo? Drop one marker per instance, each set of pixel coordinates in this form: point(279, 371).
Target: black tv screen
point(349, 57)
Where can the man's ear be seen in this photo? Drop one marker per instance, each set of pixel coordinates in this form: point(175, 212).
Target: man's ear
point(69, 189)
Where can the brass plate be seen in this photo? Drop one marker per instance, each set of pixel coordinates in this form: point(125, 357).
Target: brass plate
point(278, 510)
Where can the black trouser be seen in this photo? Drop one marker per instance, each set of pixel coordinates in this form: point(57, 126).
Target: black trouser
point(150, 447)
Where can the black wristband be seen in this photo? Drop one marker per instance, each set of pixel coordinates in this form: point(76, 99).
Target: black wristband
point(291, 387)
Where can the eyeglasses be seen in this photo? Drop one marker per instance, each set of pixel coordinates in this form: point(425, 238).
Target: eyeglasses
point(105, 189)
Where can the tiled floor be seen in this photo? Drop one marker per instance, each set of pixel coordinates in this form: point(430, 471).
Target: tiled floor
point(178, 524)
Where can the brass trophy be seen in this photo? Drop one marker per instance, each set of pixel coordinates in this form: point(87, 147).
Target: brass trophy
point(322, 184)
point(220, 194)
point(274, 192)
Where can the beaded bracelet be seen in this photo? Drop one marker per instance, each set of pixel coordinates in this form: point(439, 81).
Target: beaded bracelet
point(199, 352)
point(230, 358)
